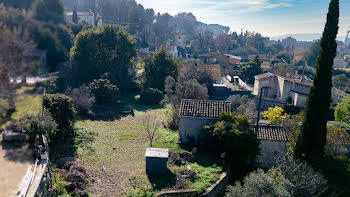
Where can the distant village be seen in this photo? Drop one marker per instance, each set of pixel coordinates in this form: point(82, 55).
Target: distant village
point(112, 99)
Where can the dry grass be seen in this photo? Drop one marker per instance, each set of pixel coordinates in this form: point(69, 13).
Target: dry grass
point(27, 102)
point(115, 156)
point(113, 153)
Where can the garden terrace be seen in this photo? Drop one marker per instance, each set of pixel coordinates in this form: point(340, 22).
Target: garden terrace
point(113, 152)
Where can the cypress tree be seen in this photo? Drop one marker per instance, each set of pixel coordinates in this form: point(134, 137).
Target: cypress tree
point(312, 139)
point(75, 16)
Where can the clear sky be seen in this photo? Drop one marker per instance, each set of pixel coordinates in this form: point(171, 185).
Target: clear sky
point(269, 17)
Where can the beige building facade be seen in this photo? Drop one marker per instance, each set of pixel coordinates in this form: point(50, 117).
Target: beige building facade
point(281, 89)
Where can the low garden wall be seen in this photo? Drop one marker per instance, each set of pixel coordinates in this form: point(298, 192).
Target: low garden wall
point(216, 190)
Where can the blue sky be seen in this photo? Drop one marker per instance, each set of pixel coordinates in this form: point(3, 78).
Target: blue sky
point(269, 17)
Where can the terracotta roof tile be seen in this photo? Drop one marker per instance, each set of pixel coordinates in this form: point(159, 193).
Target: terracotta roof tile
point(208, 109)
point(272, 133)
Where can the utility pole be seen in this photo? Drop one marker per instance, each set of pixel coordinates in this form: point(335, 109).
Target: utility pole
point(259, 108)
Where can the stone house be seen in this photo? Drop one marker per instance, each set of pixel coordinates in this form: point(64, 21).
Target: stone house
point(226, 61)
point(180, 39)
point(88, 17)
point(219, 58)
point(172, 51)
point(195, 114)
point(281, 89)
point(273, 144)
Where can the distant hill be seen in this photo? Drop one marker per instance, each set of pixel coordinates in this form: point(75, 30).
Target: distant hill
point(304, 37)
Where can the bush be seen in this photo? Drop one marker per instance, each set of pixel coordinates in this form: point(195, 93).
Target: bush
point(231, 135)
point(272, 184)
point(82, 99)
point(275, 115)
point(305, 180)
point(342, 111)
point(151, 96)
point(35, 125)
point(104, 91)
point(62, 110)
point(55, 85)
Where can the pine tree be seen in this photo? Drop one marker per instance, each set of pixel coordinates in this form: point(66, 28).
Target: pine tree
point(75, 16)
point(312, 139)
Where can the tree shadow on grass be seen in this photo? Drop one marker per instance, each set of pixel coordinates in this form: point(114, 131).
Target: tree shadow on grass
point(208, 159)
point(67, 146)
point(5, 115)
point(163, 181)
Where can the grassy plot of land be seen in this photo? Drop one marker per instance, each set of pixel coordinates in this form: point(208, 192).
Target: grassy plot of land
point(114, 154)
point(27, 102)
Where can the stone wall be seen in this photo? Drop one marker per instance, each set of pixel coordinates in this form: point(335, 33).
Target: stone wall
point(178, 193)
point(219, 188)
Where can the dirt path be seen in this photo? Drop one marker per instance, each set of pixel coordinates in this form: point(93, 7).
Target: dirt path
point(14, 162)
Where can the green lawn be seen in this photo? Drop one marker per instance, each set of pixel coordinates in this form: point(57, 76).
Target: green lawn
point(113, 152)
point(27, 102)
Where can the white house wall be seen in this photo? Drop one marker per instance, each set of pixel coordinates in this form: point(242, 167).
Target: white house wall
point(191, 127)
point(270, 152)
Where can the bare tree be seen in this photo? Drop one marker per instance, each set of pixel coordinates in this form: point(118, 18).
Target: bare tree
point(15, 43)
point(151, 125)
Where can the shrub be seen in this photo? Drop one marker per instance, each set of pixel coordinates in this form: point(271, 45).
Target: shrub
point(82, 99)
point(275, 115)
point(104, 91)
point(55, 85)
point(272, 184)
point(62, 110)
point(305, 180)
point(151, 96)
point(342, 111)
point(231, 135)
point(35, 125)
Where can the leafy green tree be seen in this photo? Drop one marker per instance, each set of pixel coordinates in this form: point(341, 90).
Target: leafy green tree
point(342, 111)
point(104, 91)
point(47, 40)
point(19, 4)
point(274, 115)
point(248, 71)
point(97, 51)
point(151, 96)
point(64, 35)
point(312, 139)
point(158, 66)
point(311, 55)
point(75, 18)
point(48, 10)
point(231, 135)
point(62, 110)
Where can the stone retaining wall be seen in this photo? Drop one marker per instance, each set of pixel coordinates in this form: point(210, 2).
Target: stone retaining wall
point(216, 190)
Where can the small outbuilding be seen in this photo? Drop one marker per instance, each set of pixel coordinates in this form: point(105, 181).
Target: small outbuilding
point(273, 145)
point(195, 114)
point(156, 161)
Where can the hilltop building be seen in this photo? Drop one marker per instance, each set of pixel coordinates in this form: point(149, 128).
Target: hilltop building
point(282, 90)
